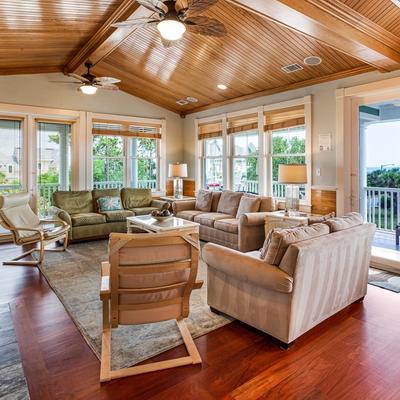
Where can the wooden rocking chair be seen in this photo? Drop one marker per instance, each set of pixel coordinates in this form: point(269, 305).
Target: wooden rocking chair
point(149, 278)
point(26, 227)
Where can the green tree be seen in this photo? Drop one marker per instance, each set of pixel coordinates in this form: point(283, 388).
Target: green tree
point(386, 178)
point(2, 177)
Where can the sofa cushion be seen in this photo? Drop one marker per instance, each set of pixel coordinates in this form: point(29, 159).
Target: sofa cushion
point(268, 204)
point(97, 193)
point(230, 225)
point(74, 202)
point(208, 219)
point(216, 195)
point(346, 222)
point(317, 219)
point(143, 210)
point(203, 200)
point(109, 204)
point(281, 239)
point(90, 218)
point(248, 204)
point(229, 202)
point(134, 198)
point(188, 214)
point(117, 215)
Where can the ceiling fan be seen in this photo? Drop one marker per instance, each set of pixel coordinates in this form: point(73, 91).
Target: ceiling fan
point(90, 83)
point(174, 17)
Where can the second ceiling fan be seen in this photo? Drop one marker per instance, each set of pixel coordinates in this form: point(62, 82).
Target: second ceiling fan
point(174, 17)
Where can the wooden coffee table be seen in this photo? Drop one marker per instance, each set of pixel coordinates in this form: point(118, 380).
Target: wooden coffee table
point(149, 224)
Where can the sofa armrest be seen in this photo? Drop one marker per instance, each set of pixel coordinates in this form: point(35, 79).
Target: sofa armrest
point(246, 268)
point(253, 219)
point(178, 206)
point(159, 204)
point(251, 231)
point(62, 215)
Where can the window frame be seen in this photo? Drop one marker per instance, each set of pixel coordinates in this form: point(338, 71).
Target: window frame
point(204, 158)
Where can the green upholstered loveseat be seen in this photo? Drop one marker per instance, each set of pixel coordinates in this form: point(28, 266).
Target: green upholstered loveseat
point(79, 209)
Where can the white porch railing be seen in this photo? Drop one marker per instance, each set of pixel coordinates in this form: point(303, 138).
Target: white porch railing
point(382, 207)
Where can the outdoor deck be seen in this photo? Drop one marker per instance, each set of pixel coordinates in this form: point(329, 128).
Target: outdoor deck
point(385, 239)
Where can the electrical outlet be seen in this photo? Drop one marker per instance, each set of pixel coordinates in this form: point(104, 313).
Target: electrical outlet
point(318, 171)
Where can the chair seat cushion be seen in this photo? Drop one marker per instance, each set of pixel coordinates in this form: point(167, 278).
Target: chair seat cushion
point(117, 215)
point(49, 233)
point(87, 219)
point(143, 210)
point(188, 214)
point(208, 219)
point(230, 225)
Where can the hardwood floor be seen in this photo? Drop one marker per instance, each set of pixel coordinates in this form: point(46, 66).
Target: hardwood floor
point(353, 355)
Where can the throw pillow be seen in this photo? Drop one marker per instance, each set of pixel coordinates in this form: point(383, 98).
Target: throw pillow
point(248, 204)
point(203, 200)
point(317, 219)
point(229, 202)
point(281, 239)
point(109, 204)
point(267, 241)
point(348, 221)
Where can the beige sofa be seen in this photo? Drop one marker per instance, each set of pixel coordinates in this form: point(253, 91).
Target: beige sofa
point(225, 223)
point(315, 279)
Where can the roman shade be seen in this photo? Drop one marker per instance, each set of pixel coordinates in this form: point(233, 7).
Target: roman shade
point(284, 118)
point(129, 129)
point(243, 123)
point(209, 130)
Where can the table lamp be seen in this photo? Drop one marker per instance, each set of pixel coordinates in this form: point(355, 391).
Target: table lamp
point(292, 175)
point(177, 171)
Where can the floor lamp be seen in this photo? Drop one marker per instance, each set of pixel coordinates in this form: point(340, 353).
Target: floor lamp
point(177, 172)
point(292, 175)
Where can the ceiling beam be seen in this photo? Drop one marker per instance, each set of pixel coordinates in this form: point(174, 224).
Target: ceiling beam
point(284, 88)
point(334, 24)
point(107, 38)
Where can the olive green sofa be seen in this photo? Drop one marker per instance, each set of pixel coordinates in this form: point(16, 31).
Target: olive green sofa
point(79, 210)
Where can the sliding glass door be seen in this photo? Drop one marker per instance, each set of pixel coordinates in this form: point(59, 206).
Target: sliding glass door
point(53, 162)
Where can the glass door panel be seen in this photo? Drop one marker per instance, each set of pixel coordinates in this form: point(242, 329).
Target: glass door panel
point(10, 160)
point(53, 162)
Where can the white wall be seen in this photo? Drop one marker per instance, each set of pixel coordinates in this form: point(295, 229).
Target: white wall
point(37, 90)
point(323, 121)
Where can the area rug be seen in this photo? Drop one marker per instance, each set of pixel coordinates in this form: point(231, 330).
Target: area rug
point(74, 275)
point(384, 279)
point(12, 379)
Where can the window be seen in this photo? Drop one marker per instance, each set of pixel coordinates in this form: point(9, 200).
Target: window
point(245, 162)
point(288, 147)
point(213, 166)
point(10, 155)
point(126, 155)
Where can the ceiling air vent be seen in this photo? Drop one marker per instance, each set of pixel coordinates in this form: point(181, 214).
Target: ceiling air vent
point(182, 102)
point(312, 60)
point(292, 68)
point(396, 2)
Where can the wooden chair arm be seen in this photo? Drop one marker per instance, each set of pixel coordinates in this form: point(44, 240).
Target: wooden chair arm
point(105, 268)
point(16, 229)
point(198, 285)
point(105, 281)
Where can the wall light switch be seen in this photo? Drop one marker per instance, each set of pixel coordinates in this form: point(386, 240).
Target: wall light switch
point(318, 171)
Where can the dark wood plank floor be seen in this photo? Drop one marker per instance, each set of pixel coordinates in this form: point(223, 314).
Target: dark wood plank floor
point(353, 355)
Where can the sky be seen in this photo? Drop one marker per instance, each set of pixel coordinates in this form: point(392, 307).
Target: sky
point(383, 144)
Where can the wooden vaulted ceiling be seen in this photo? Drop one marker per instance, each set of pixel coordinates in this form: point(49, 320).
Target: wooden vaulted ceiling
point(351, 37)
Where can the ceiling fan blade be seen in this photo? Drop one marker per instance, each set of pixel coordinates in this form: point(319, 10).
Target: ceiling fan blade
point(154, 5)
point(79, 77)
point(205, 26)
point(69, 83)
point(107, 87)
point(134, 22)
point(106, 80)
point(198, 6)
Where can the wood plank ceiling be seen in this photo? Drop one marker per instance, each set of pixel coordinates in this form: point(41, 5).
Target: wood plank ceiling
point(50, 35)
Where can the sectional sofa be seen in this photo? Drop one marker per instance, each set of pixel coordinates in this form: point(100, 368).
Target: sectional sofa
point(80, 211)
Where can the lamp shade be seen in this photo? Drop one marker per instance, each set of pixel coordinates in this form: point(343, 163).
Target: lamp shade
point(177, 170)
point(292, 173)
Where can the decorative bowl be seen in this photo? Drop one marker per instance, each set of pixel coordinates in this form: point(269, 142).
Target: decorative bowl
point(162, 218)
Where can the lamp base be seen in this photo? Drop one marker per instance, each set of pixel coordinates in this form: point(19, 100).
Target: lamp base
point(292, 198)
point(178, 188)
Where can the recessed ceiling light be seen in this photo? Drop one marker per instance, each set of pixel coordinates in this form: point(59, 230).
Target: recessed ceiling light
point(312, 60)
point(222, 87)
point(191, 99)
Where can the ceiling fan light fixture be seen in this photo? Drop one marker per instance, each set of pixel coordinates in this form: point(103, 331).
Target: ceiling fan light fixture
point(171, 29)
point(88, 89)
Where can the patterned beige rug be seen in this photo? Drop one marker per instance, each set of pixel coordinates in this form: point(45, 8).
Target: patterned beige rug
point(74, 276)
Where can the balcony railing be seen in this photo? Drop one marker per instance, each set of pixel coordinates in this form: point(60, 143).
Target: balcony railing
point(382, 207)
